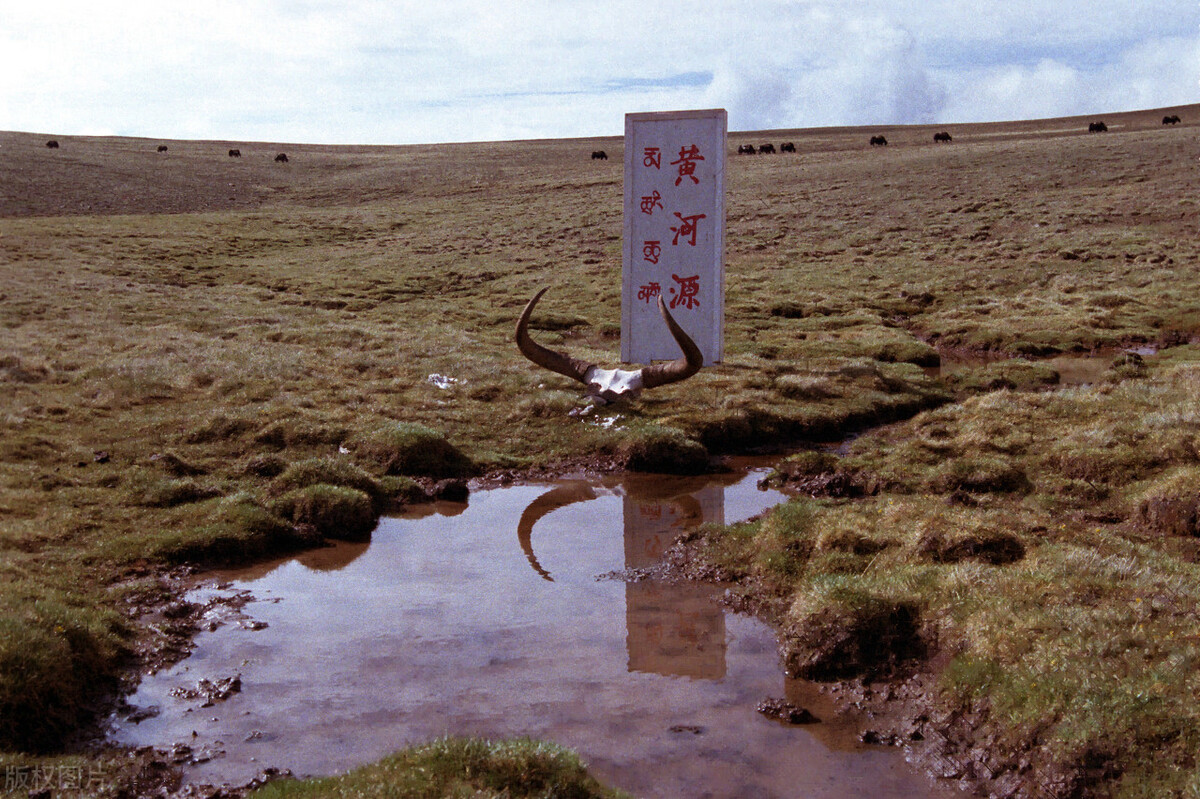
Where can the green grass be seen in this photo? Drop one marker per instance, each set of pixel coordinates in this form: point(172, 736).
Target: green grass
point(454, 767)
point(1044, 544)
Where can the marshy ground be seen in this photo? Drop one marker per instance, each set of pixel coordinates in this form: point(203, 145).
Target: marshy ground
point(209, 359)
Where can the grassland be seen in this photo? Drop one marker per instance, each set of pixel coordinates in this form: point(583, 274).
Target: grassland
point(207, 359)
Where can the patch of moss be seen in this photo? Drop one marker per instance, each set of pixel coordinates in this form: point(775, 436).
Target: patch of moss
point(155, 491)
point(293, 432)
point(853, 633)
point(1170, 505)
point(979, 473)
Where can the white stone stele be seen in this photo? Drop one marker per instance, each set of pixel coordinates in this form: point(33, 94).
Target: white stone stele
point(675, 196)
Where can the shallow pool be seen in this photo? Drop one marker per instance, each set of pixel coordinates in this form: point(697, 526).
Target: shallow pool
point(489, 620)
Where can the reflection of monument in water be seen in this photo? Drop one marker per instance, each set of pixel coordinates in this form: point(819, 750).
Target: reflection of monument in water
point(672, 628)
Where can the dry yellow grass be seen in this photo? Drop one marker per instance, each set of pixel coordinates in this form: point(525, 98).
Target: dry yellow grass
point(198, 317)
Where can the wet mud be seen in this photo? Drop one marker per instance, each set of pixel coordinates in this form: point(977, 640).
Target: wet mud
point(488, 619)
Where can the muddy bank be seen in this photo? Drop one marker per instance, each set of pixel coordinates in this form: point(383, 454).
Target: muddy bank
point(661, 690)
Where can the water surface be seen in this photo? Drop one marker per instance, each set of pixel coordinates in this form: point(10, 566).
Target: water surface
point(489, 620)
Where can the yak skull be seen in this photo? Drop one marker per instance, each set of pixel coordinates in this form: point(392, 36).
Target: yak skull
point(610, 385)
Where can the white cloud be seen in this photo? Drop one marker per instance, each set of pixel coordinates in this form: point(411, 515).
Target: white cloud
point(838, 71)
point(1161, 72)
point(380, 71)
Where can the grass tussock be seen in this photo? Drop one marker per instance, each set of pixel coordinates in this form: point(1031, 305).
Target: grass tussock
point(665, 450)
point(334, 511)
point(406, 448)
point(57, 649)
point(456, 767)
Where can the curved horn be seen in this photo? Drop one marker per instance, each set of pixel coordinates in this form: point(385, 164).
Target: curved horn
point(661, 374)
point(548, 359)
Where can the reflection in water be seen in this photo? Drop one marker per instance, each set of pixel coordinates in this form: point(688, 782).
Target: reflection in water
point(673, 628)
point(552, 500)
point(440, 626)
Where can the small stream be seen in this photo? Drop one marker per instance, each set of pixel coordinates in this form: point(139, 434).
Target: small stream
point(488, 619)
point(1074, 369)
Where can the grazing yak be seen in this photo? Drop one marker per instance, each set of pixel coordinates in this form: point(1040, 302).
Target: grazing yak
point(1097, 127)
point(746, 149)
point(235, 153)
point(766, 148)
point(787, 147)
point(1173, 119)
point(52, 144)
point(162, 148)
point(599, 155)
point(942, 137)
point(281, 158)
point(878, 141)
point(610, 385)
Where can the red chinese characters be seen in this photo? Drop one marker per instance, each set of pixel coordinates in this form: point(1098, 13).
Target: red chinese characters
point(688, 156)
point(688, 294)
point(687, 228)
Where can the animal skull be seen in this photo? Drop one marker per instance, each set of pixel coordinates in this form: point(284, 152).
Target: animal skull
point(611, 385)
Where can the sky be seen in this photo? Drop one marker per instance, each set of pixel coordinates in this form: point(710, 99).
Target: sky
point(400, 72)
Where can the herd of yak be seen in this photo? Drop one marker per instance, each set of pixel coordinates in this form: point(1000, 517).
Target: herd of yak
point(941, 137)
point(162, 148)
